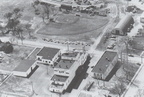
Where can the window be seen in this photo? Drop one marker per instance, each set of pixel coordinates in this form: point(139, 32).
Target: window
point(39, 59)
point(61, 71)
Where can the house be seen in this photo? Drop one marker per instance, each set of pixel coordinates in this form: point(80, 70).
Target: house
point(48, 55)
point(124, 26)
point(65, 70)
point(105, 65)
point(24, 68)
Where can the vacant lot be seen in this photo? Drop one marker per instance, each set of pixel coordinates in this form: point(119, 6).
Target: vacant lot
point(10, 61)
point(17, 86)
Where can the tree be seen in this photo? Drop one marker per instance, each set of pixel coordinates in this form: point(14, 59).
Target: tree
point(27, 26)
point(13, 20)
point(140, 93)
point(8, 48)
point(8, 15)
point(118, 89)
point(44, 10)
point(16, 13)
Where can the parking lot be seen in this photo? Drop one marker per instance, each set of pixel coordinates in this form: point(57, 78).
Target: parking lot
point(40, 80)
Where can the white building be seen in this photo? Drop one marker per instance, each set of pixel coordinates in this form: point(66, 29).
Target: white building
point(64, 71)
point(24, 68)
point(48, 55)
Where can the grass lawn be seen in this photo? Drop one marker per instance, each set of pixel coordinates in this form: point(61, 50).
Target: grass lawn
point(10, 61)
point(68, 24)
point(71, 25)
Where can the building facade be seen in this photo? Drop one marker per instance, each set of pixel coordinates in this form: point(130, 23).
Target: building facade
point(48, 55)
point(24, 68)
point(105, 65)
point(65, 70)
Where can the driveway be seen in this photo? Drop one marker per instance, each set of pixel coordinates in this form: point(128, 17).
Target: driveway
point(41, 81)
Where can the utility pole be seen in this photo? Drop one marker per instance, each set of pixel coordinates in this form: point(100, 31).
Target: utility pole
point(33, 89)
point(68, 45)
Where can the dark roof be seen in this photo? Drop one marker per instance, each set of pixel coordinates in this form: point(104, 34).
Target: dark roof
point(72, 54)
point(104, 62)
point(59, 78)
point(65, 64)
point(48, 53)
point(24, 65)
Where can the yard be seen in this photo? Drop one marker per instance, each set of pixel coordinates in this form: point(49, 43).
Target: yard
point(10, 61)
point(17, 87)
point(120, 76)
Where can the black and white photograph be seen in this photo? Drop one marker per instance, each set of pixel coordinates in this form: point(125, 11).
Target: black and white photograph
point(71, 48)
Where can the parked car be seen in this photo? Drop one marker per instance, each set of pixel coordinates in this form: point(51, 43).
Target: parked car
point(142, 19)
point(138, 64)
point(111, 46)
point(130, 55)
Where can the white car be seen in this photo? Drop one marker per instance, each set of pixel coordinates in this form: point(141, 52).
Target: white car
point(142, 19)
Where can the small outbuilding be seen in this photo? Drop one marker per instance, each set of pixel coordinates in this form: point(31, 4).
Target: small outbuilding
point(124, 26)
point(24, 68)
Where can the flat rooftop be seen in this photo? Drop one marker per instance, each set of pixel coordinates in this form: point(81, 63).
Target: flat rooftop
point(71, 54)
point(65, 64)
point(104, 62)
point(24, 65)
point(48, 53)
point(59, 78)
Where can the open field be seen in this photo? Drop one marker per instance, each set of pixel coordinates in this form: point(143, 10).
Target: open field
point(10, 61)
point(68, 24)
point(17, 87)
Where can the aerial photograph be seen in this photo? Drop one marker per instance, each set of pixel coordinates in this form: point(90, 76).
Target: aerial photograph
point(71, 48)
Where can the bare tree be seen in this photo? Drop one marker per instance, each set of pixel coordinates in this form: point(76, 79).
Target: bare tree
point(27, 27)
point(140, 93)
point(118, 89)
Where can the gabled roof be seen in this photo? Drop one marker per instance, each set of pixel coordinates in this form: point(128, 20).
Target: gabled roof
point(104, 62)
point(48, 53)
point(24, 65)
